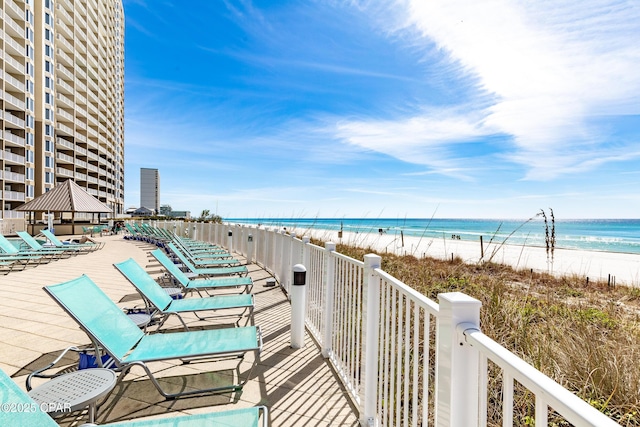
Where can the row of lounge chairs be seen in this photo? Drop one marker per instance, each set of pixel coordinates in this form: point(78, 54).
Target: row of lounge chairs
point(30, 252)
point(123, 345)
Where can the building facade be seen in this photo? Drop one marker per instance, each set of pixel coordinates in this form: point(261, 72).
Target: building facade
point(150, 189)
point(62, 99)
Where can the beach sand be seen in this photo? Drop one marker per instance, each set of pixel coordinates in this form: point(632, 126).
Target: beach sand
point(623, 268)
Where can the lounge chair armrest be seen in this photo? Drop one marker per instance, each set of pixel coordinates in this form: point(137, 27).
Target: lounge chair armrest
point(38, 372)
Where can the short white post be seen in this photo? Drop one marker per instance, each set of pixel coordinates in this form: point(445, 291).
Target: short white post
point(195, 233)
point(457, 369)
point(370, 338)
point(249, 249)
point(230, 241)
point(329, 268)
point(298, 305)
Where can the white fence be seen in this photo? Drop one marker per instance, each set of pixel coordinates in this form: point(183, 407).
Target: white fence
point(404, 359)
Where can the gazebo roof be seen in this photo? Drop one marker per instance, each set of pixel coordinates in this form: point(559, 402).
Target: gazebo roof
point(65, 197)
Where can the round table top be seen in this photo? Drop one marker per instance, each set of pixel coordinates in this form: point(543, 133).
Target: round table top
point(75, 390)
point(140, 319)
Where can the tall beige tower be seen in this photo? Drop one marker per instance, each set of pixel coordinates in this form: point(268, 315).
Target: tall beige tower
point(62, 81)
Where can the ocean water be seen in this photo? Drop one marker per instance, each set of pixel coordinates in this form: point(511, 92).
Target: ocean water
point(609, 235)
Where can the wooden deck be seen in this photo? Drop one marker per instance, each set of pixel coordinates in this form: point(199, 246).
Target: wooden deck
point(298, 386)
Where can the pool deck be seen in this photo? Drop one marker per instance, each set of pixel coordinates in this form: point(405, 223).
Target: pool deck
point(297, 386)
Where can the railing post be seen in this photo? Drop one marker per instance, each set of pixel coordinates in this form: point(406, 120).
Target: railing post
point(306, 253)
point(287, 241)
point(230, 241)
point(329, 268)
point(195, 233)
point(370, 338)
point(457, 364)
point(298, 305)
point(249, 249)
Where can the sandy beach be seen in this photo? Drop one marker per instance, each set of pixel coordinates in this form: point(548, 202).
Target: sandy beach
point(623, 268)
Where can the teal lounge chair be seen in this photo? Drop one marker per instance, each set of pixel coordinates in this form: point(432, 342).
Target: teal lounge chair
point(27, 413)
point(207, 271)
point(13, 256)
point(202, 253)
point(200, 284)
point(111, 330)
point(199, 260)
point(38, 248)
point(165, 306)
point(82, 247)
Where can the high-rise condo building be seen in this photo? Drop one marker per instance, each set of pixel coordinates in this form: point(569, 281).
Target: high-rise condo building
point(150, 189)
point(61, 99)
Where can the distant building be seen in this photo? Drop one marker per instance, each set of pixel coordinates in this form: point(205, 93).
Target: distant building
point(169, 212)
point(144, 212)
point(150, 188)
point(180, 214)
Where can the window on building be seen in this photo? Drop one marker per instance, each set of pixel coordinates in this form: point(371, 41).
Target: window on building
point(48, 146)
point(48, 161)
point(48, 130)
point(48, 177)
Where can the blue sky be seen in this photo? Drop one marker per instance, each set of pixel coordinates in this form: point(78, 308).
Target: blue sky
point(415, 108)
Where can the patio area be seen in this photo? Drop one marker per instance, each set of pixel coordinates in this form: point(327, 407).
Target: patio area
point(297, 386)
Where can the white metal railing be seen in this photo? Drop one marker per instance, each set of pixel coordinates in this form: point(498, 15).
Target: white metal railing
point(404, 359)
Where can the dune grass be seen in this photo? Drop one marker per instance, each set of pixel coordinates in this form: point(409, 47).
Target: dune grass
point(583, 334)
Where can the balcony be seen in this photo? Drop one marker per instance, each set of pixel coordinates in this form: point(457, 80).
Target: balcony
point(13, 46)
point(64, 158)
point(12, 27)
point(13, 196)
point(13, 101)
point(64, 87)
point(61, 41)
point(12, 139)
point(63, 28)
point(14, 177)
point(10, 157)
point(64, 172)
point(64, 129)
point(63, 57)
point(65, 72)
point(65, 101)
point(15, 11)
point(63, 14)
point(64, 143)
point(13, 120)
point(17, 84)
point(13, 65)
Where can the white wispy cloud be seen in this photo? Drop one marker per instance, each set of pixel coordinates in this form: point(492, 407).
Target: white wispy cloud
point(546, 74)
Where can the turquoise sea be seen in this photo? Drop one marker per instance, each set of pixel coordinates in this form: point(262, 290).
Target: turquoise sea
point(609, 235)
